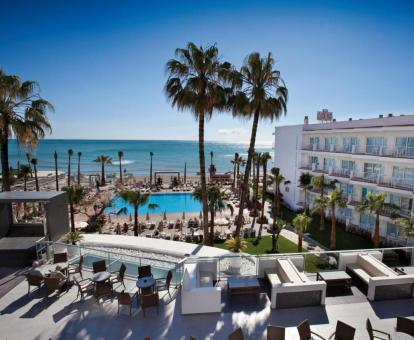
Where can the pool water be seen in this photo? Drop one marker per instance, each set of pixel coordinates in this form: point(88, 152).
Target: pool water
point(169, 203)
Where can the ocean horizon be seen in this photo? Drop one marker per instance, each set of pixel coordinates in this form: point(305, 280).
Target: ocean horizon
point(168, 154)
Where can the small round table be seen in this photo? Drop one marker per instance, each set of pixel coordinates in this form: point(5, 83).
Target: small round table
point(100, 277)
point(145, 282)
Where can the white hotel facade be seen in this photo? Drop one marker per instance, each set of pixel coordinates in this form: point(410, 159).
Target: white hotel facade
point(365, 155)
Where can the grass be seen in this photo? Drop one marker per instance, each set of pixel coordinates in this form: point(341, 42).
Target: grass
point(312, 262)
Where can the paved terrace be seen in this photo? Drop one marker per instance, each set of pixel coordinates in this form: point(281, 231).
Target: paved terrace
point(34, 316)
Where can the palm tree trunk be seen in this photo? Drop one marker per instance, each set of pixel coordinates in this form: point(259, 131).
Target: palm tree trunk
point(376, 239)
point(277, 200)
point(72, 217)
point(56, 174)
point(203, 175)
point(120, 169)
point(333, 231)
point(259, 235)
point(135, 220)
point(322, 219)
point(36, 178)
point(234, 176)
point(237, 178)
point(245, 184)
point(212, 213)
point(103, 173)
point(151, 171)
point(69, 172)
point(5, 170)
point(306, 200)
point(79, 157)
point(300, 237)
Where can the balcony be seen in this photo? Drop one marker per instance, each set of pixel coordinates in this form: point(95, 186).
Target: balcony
point(370, 150)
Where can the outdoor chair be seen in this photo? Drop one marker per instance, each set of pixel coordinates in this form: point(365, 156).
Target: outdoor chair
point(192, 338)
point(305, 333)
point(275, 333)
point(372, 333)
point(164, 283)
point(236, 334)
point(60, 257)
point(144, 271)
point(83, 287)
point(149, 300)
point(103, 289)
point(99, 266)
point(405, 325)
point(55, 283)
point(124, 299)
point(343, 332)
point(34, 280)
point(118, 277)
point(76, 268)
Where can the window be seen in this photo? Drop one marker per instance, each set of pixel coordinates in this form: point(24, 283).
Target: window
point(372, 171)
point(345, 214)
point(404, 146)
point(330, 143)
point(375, 144)
point(365, 192)
point(313, 160)
point(348, 142)
point(347, 167)
point(347, 190)
point(392, 230)
point(403, 203)
point(403, 176)
point(367, 221)
point(314, 142)
point(328, 163)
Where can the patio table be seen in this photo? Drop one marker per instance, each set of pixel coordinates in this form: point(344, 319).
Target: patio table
point(100, 277)
point(243, 285)
point(334, 278)
point(145, 282)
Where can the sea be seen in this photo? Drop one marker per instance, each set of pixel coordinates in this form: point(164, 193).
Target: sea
point(169, 155)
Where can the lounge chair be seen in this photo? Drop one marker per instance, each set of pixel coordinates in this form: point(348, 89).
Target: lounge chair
point(343, 332)
point(275, 333)
point(373, 333)
point(83, 287)
point(305, 332)
point(144, 271)
point(118, 277)
point(405, 325)
point(149, 300)
point(164, 283)
point(124, 299)
point(76, 268)
point(34, 280)
point(99, 266)
point(236, 334)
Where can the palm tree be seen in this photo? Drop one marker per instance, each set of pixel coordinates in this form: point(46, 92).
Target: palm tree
point(234, 162)
point(276, 179)
point(407, 224)
point(301, 223)
point(28, 157)
point(241, 162)
point(22, 116)
point(262, 94)
point(195, 82)
point(104, 160)
point(322, 184)
point(151, 156)
point(263, 161)
point(305, 181)
point(216, 198)
point(25, 172)
point(75, 196)
point(120, 156)
point(70, 154)
point(136, 199)
point(212, 167)
point(374, 203)
point(277, 226)
point(33, 161)
point(55, 156)
point(79, 162)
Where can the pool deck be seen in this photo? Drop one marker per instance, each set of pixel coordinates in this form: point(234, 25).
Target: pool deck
point(174, 248)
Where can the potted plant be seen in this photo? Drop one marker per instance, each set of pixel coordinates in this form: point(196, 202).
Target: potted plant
point(236, 245)
point(72, 238)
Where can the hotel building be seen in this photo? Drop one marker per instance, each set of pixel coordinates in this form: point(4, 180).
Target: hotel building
point(364, 155)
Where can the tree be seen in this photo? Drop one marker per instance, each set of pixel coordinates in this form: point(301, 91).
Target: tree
point(322, 184)
point(234, 162)
point(55, 156)
point(120, 156)
point(104, 160)
point(212, 167)
point(25, 171)
point(70, 154)
point(263, 161)
point(216, 198)
point(33, 161)
point(305, 181)
point(407, 224)
point(374, 203)
point(28, 157)
point(23, 115)
point(196, 80)
point(261, 94)
point(136, 199)
point(301, 223)
point(79, 162)
point(241, 162)
point(277, 226)
point(151, 156)
point(75, 196)
point(276, 179)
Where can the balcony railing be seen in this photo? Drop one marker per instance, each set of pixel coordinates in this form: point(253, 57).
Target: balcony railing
point(374, 150)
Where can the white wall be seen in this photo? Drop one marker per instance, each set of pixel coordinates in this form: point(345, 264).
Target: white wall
point(288, 141)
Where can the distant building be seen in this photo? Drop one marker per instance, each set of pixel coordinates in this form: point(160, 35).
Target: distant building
point(365, 155)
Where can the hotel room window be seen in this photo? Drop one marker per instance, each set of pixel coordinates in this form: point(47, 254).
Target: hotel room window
point(404, 146)
point(348, 142)
point(375, 145)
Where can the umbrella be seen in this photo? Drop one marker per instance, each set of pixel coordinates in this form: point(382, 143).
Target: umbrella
point(183, 215)
point(81, 224)
point(147, 217)
point(221, 221)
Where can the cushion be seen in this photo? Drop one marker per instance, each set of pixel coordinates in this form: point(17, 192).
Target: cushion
point(58, 275)
point(373, 266)
point(35, 272)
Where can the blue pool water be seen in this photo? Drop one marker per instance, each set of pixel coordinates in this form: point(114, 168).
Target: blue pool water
point(169, 203)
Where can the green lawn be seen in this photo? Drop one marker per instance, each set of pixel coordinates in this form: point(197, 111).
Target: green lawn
point(312, 262)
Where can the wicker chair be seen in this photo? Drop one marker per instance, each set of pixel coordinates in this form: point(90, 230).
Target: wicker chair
point(305, 333)
point(60, 257)
point(99, 266)
point(275, 333)
point(76, 268)
point(405, 325)
point(343, 332)
point(164, 284)
point(149, 300)
point(34, 280)
point(236, 334)
point(118, 277)
point(83, 287)
point(144, 271)
point(55, 284)
point(125, 299)
point(373, 333)
point(103, 289)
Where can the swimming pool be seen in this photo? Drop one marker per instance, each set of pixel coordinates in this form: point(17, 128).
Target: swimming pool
point(169, 203)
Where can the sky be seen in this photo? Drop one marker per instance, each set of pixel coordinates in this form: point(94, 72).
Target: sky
point(102, 63)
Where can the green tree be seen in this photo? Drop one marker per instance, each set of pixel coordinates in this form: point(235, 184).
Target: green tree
point(120, 156)
point(33, 161)
point(75, 196)
point(277, 226)
point(261, 94)
point(55, 156)
point(136, 199)
point(322, 184)
point(70, 154)
point(216, 198)
point(407, 224)
point(276, 179)
point(263, 161)
point(23, 115)
point(196, 80)
point(234, 162)
point(301, 223)
point(305, 181)
point(25, 171)
point(103, 160)
point(79, 164)
point(374, 203)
